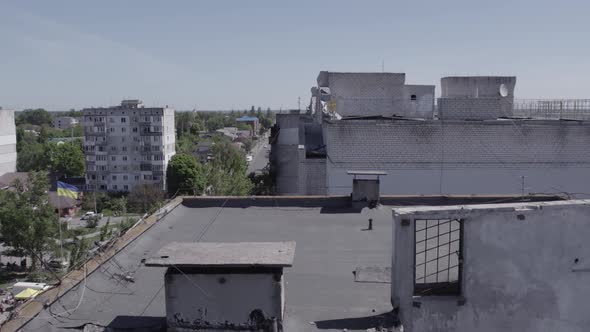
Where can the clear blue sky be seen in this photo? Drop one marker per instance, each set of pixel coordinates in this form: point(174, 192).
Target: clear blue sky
point(232, 54)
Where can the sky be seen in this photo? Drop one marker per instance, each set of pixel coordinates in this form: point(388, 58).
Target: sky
point(221, 55)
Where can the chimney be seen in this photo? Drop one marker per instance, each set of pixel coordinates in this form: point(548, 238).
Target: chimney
point(225, 286)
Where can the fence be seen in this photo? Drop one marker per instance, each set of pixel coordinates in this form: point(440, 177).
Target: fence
point(552, 109)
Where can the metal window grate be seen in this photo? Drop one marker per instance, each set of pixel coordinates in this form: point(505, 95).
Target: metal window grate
point(438, 258)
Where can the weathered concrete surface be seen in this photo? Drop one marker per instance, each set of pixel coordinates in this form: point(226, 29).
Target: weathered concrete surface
point(460, 157)
point(526, 268)
point(320, 287)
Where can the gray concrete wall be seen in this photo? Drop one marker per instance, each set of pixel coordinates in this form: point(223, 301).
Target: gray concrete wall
point(217, 298)
point(460, 157)
point(476, 86)
point(476, 97)
point(525, 268)
point(360, 94)
point(286, 167)
point(423, 105)
point(312, 177)
point(463, 108)
point(7, 142)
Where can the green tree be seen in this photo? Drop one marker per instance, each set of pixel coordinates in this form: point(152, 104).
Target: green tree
point(28, 221)
point(185, 175)
point(226, 175)
point(31, 156)
point(228, 157)
point(66, 158)
point(119, 205)
point(144, 198)
point(37, 117)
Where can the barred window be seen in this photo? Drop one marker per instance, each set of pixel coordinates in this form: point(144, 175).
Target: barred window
point(438, 256)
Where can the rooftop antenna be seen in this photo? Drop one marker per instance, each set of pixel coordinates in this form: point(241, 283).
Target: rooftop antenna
point(299, 103)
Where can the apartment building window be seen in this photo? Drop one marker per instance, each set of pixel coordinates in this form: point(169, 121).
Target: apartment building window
point(147, 177)
point(413, 97)
point(136, 148)
point(103, 177)
point(114, 187)
point(137, 178)
point(125, 177)
point(124, 158)
point(124, 149)
point(123, 129)
point(134, 129)
point(114, 178)
point(438, 256)
point(126, 187)
point(123, 120)
point(111, 120)
point(112, 130)
point(113, 158)
point(103, 168)
point(113, 148)
point(156, 178)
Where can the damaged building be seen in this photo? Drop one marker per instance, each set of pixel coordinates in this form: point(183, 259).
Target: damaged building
point(499, 267)
point(477, 139)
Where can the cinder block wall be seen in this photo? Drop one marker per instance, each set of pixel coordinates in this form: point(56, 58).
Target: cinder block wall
point(460, 157)
point(358, 94)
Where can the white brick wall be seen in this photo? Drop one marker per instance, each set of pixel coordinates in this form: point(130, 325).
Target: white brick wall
point(467, 157)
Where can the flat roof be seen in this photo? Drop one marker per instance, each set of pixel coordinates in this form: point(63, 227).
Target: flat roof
point(228, 254)
point(320, 289)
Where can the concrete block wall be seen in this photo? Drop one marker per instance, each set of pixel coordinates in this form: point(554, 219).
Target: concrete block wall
point(476, 86)
point(312, 177)
point(7, 142)
point(473, 108)
point(358, 94)
point(460, 157)
point(423, 105)
point(476, 97)
point(286, 168)
point(525, 268)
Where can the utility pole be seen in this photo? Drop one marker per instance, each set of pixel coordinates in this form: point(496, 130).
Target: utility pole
point(299, 103)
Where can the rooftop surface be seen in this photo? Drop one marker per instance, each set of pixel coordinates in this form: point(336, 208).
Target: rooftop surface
point(226, 254)
point(320, 290)
point(320, 286)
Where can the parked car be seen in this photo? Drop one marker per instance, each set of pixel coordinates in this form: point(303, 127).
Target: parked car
point(89, 215)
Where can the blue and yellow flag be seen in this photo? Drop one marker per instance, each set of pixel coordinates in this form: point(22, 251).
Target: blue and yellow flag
point(67, 190)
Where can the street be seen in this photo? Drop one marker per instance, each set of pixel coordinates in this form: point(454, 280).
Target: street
point(259, 154)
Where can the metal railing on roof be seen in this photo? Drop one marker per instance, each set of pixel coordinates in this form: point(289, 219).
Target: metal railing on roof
point(552, 109)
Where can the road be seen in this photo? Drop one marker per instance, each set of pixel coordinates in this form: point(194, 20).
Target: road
point(75, 222)
point(259, 154)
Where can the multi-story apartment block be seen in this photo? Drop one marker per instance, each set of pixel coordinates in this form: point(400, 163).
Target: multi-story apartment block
point(127, 145)
point(65, 122)
point(7, 141)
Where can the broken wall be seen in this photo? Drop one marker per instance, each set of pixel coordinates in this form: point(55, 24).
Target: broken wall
point(526, 267)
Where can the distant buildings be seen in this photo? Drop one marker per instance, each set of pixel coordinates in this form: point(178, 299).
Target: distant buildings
point(478, 139)
point(65, 122)
point(128, 145)
point(7, 141)
point(253, 122)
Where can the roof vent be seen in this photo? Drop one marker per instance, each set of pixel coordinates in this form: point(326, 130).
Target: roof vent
point(365, 186)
